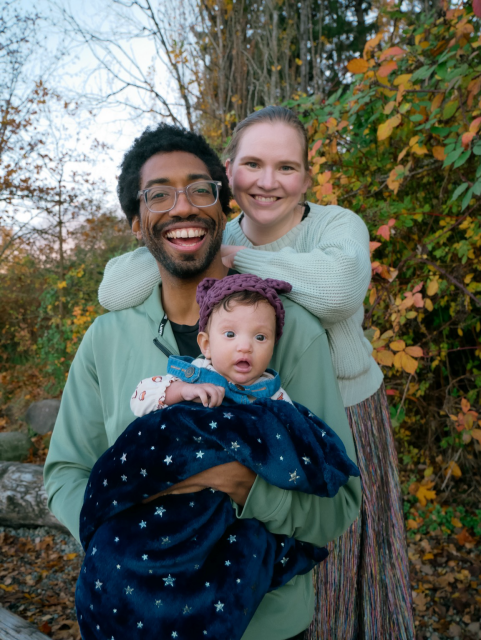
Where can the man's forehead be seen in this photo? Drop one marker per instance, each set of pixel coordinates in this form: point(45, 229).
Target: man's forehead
point(173, 166)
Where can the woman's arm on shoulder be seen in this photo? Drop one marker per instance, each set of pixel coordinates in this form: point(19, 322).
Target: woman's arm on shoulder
point(331, 274)
point(128, 280)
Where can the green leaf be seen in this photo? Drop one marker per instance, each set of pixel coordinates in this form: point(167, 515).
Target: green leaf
point(462, 159)
point(417, 117)
point(467, 199)
point(477, 188)
point(454, 155)
point(450, 109)
point(461, 189)
point(422, 73)
point(477, 149)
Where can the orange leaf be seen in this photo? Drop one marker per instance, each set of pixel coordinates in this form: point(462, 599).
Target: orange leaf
point(438, 153)
point(372, 43)
point(437, 102)
point(474, 126)
point(418, 300)
point(391, 52)
point(398, 345)
point(411, 524)
point(342, 124)
point(393, 182)
point(386, 128)
point(419, 149)
point(382, 356)
point(316, 146)
point(325, 189)
point(373, 246)
point(387, 68)
point(464, 536)
point(408, 364)
point(466, 139)
point(424, 493)
point(322, 178)
point(416, 352)
point(465, 405)
point(358, 65)
point(454, 468)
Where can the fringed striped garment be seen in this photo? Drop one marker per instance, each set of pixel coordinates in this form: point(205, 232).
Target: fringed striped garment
point(363, 588)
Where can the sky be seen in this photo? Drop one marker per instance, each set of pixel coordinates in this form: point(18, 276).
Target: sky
point(76, 76)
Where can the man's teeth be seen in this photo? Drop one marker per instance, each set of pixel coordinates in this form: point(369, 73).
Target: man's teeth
point(185, 233)
point(265, 199)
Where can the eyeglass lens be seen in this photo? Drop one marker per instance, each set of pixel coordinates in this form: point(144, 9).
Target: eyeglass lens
point(199, 194)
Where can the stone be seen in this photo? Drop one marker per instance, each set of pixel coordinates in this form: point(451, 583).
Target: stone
point(41, 415)
point(14, 446)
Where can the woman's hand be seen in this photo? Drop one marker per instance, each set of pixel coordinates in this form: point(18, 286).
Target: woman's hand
point(228, 254)
point(232, 478)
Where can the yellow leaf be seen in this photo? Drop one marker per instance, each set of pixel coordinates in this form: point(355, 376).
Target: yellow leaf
point(70, 556)
point(373, 42)
point(428, 304)
point(399, 158)
point(438, 153)
point(416, 352)
point(386, 128)
point(419, 149)
point(437, 102)
point(388, 334)
point(433, 287)
point(411, 524)
point(456, 522)
point(394, 180)
point(476, 433)
point(408, 364)
point(454, 468)
point(358, 65)
point(383, 357)
point(298, 61)
point(398, 345)
point(398, 362)
point(5, 588)
point(468, 278)
point(402, 79)
point(428, 472)
point(62, 285)
point(413, 141)
point(428, 556)
point(389, 107)
point(424, 493)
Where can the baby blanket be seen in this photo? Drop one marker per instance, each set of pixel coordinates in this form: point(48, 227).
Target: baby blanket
point(184, 566)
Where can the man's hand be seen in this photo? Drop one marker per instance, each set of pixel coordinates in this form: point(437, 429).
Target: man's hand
point(228, 254)
point(232, 478)
point(209, 394)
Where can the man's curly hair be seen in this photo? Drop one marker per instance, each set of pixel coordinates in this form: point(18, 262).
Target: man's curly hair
point(164, 139)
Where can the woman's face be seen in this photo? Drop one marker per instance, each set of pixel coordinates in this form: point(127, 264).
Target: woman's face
point(267, 176)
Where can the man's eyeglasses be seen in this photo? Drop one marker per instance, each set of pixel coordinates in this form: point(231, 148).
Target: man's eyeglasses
point(162, 198)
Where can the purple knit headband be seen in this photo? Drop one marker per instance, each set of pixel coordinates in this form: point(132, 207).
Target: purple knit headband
point(212, 291)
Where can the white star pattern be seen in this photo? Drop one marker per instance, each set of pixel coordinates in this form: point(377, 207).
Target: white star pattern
point(168, 460)
point(143, 472)
point(284, 561)
point(139, 433)
point(142, 524)
point(234, 445)
point(158, 603)
point(159, 511)
point(128, 590)
point(145, 557)
point(191, 504)
point(219, 606)
point(152, 448)
point(186, 610)
point(227, 563)
point(98, 584)
point(213, 425)
point(293, 476)
point(306, 460)
point(323, 433)
point(94, 551)
point(278, 436)
point(115, 610)
point(228, 416)
point(123, 458)
point(116, 539)
point(232, 539)
point(114, 503)
point(207, 584)
point(174, 634)
point(105, 483)
point(165, 540)
point(238, 580)
point(199, 454)
point(259, 440)
point(118, 566)
point(163, 426)
point(124, 478)
point(139, 625)
point(281, 458)
point(169, 581)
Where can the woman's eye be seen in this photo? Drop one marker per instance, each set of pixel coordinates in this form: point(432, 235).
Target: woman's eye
point(260, 337)
point(229, 334)
point(287, 167)
point(252, 165)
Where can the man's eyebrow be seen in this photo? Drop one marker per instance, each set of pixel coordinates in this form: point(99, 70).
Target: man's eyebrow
point(190, 178)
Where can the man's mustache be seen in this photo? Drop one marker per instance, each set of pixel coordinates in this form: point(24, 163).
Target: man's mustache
point(159, 229)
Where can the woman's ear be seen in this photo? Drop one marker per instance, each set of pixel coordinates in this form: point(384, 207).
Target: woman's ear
point(307, 181)
point(203, 342)
point(228, 170)
point(136, 230)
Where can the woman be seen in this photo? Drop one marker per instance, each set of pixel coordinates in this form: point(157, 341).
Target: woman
point(363, 588)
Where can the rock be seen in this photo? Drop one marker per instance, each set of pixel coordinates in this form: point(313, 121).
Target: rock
point(23, 501)
point(14, 446)
point(41, 415)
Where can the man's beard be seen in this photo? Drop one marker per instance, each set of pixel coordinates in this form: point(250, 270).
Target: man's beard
point(187, 266)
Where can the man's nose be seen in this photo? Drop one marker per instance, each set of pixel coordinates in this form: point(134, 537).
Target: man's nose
point(267, 179)
point(182, 207)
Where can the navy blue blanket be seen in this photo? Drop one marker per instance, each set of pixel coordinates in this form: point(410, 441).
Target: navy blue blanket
point(183, 566)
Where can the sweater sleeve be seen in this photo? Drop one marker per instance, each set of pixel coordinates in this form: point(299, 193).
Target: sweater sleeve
point(149, 394)
point(330, 276)
point(128, 280)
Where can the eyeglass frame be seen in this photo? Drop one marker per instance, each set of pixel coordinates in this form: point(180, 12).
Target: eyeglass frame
point(217, 183)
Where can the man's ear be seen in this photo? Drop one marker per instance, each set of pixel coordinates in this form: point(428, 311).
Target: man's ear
point(203, 342)
point(228, 170)
point(136, 230)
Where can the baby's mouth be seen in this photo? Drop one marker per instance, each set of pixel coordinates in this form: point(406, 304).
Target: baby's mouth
point(243, 366)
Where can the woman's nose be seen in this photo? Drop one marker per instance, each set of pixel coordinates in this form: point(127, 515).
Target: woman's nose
point(267, 179)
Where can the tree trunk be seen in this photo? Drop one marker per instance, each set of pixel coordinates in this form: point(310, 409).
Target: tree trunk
point(23, 501)
point(13, 627)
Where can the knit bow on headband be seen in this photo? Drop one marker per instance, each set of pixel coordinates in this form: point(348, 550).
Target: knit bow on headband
point(212, 291)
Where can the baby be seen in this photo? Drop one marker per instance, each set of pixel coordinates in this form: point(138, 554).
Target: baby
point(241, 319)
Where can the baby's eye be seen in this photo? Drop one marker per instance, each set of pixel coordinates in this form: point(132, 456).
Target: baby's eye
point(229, 334)
point(260, 337)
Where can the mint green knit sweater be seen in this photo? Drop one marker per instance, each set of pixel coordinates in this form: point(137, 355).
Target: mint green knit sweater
point(325, 258)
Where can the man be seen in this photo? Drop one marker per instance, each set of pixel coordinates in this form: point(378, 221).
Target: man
point(182, 227)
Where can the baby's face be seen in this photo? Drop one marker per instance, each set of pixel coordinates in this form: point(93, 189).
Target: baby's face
point(240, 341)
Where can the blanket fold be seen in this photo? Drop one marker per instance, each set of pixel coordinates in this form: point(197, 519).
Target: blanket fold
point(183, 566)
